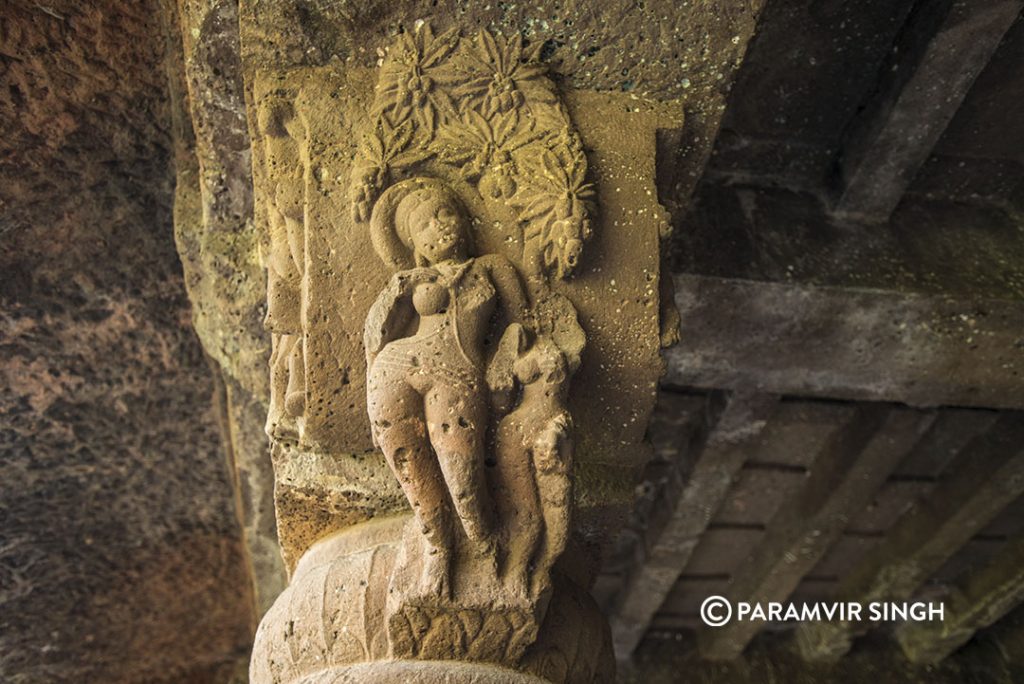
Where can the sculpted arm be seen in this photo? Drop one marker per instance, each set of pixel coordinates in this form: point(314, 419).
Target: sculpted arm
point(391, 313)
point(510, 289)
point(500, 377)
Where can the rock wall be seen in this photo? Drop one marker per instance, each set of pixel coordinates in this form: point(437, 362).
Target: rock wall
point(121, 558)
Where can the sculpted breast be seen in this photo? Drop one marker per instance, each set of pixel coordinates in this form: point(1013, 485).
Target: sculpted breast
point(430, 298)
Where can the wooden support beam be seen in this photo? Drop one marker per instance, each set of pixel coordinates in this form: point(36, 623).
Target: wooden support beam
point(847, 343)
point(953, 430)
point(677, 423)
point(691, 503)
point(977, 601)
point(845, 475)
point(943, 47)
point(986, 477)
point(1008, 637)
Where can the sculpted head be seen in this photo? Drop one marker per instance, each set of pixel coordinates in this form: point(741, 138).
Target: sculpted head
point(543, 363)
point(420, 221)
point(433, 224)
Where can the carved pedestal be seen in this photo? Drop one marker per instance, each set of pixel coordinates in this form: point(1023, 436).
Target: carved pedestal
point(339, 621)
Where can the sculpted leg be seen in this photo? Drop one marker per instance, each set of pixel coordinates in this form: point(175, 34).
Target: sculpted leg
point(517, 503)
point(457, 423)
point(295, 393)
point(402, 437)
point(283, 380)
point(552, 455)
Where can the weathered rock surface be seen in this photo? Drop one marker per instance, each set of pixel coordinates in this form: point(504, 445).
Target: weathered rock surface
point(121, 557)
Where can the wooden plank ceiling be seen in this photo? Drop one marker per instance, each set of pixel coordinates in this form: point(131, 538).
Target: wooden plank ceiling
point(842, 418)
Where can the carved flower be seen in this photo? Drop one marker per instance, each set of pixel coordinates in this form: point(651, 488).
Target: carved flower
point(411, 74)
point(564, 245)
point(556, 211)
point(557, 187)
point(380, 150)
point(498, 77)
point(484, 147)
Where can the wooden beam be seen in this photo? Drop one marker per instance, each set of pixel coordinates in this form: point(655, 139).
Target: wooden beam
point(1008, 637)
point(690, 505)
point(977, 601)
point(675, 421)
point(845, 475)
point(986, 477)
point(943, 47)
point(675, 426)
point(847, 343)
point(953, 430)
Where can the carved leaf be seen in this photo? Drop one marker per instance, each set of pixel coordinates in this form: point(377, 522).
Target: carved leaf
point(538, 206)
point(436, 49)
point(412, 156)
point(443, 101)
point(513, 50)
point(372, 147)
point(458, 143)
point(531, 55)
point(396, 137)
point(489, 48)
point(505, 126)
point(428, 119)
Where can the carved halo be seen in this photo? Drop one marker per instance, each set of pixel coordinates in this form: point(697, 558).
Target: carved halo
point(390, 236)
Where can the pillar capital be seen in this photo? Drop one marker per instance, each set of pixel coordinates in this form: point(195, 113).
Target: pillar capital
point(463, 297)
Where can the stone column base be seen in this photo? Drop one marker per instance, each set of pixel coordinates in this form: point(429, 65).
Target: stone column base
point(421, 672)
point(331, 626)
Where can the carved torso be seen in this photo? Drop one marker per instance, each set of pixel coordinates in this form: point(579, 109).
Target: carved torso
point(461, 301)
point(454, 304)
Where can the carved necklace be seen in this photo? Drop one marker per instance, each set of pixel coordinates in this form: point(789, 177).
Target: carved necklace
point(452, 276)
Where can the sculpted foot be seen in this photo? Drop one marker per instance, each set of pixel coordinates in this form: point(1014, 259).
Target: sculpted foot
point(435, 575)
point(488, 551)
point(518, 584)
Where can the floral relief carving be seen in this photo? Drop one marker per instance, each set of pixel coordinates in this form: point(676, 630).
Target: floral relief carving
point(557, 217)
point(486, 107)
point(484, 149)
point(500, 77)
point(411, 77)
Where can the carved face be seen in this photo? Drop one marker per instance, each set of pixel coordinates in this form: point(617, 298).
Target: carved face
point(543, 363)
point(438, 230)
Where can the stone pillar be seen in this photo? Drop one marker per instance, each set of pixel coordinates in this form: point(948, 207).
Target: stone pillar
point(463, 299)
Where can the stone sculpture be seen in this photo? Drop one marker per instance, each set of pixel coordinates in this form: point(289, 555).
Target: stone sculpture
point(452, 180)
point(426, 391)
point(285, 259)
point(475, 431)
point(490, 492)
point(534, 469)
point(433, 388)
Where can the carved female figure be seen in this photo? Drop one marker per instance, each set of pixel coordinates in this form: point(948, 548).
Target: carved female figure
point(285, 260)
point(534, 460)
point(427, 395)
